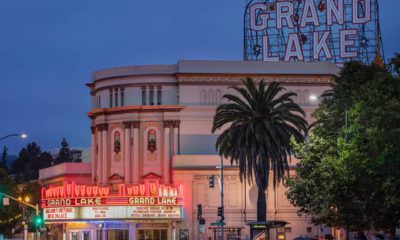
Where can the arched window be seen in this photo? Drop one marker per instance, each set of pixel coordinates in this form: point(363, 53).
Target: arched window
point(159, 97)
point(151, 140)
point(203, 97)
point(218, 97)
point(210, 97)
point(151, 96)
point(117, 142)
point(143, 95)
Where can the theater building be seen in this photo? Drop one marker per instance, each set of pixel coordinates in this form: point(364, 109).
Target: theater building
point(153, 152)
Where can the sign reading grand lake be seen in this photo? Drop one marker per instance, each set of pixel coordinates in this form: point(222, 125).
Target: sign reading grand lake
point(150, 201)
point(334, 31)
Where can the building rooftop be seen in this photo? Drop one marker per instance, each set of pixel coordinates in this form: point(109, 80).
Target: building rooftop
point(222, 67)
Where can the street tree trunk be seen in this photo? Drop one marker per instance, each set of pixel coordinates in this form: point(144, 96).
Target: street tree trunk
point(261, 205)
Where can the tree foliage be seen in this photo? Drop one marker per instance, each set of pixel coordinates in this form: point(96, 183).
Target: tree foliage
point(348, 176)
point(64, 155)
point(30, 160)
point(261, 120)
point(4, 154)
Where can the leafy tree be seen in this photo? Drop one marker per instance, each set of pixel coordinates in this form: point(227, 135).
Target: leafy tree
point(64, 155)
point(23, 166)
point(30, 160)
point(3, 163)
point(261, 121)
point(9, 213)
point(347, 176)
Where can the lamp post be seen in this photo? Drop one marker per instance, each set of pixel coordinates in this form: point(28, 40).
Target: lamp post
point(21, 135)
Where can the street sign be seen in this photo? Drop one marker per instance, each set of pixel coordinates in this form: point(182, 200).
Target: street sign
point(218, 223)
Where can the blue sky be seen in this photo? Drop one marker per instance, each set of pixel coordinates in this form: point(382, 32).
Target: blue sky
point(48, 50)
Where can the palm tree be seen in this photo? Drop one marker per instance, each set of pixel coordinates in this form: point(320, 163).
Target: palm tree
point(260, 122)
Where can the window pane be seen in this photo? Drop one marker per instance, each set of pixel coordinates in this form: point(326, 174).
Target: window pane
point(143, 96)
point(111, 98)
point(122, 97)
point(159, 97)
point(116, 97)
point(151, 97)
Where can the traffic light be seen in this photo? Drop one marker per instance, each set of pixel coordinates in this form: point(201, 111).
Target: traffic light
point(202, 221)
point(211, 181)
point(221, 212)
point(199, 210)
point(38, 220)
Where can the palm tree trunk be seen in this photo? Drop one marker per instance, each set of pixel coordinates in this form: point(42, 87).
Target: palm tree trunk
point(261, 205)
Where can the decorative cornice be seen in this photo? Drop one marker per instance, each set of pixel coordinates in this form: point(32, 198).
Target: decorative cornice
point(171, 123)
point(127, 124)
point(135, 124)
point(134, 109)
point(224, 79)
point(102, 127)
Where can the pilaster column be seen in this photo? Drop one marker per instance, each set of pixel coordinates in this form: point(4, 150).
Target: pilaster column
point(93, 153)
point(127, 152)
point(104, 153)
point(167, 150)
point(136, 149)
point(99, 150)
point(175, 125)
point(175, 148)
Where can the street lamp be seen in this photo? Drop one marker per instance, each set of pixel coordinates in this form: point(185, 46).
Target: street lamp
point(21, 135)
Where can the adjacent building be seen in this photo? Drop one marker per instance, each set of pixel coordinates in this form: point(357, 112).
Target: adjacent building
point(153, 152)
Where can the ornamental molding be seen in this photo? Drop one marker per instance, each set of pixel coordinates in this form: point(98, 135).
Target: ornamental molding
point(171, 123)
point(232, 80)
point(102, 127)
point(127, 124)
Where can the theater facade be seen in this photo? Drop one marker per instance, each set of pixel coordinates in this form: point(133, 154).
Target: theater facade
point(152, 153)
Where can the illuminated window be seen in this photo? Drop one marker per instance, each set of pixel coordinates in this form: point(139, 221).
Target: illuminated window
point(143, 95)
point(151, 140)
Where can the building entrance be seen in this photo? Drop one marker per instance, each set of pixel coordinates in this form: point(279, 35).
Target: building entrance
point(117, 234)
point(152, 234)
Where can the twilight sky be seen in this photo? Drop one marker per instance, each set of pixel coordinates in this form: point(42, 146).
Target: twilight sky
point(48, 50)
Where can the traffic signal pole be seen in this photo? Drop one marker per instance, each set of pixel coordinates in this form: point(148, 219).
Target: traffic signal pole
point(36, 207)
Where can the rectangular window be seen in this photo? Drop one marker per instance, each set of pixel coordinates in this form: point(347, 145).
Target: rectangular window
point(111, 97)
point(309, 229)
point(98, 102)
point(151, 96)
point(122, 96)
point(143, 95)
point(116, 97)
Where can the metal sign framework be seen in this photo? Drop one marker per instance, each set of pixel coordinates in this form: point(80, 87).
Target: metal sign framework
point(367, 43)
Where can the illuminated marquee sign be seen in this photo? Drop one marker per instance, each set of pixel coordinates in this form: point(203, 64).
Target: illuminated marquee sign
point(141, 201)
point(312, 30)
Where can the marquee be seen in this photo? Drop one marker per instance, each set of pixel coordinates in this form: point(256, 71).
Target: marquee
point(85, 202)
